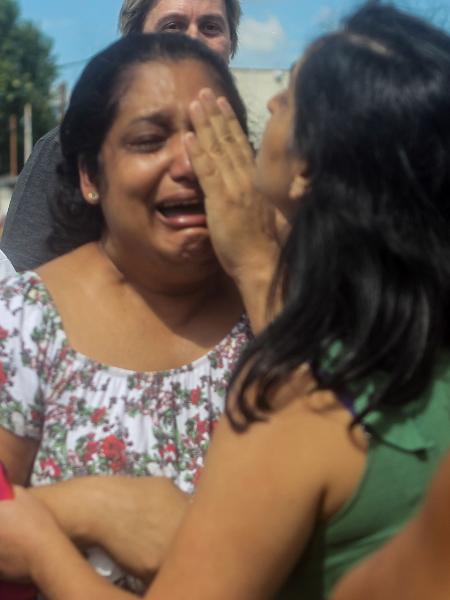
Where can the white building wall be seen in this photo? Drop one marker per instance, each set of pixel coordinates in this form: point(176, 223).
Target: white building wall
point(5, 197)
point(256, 87)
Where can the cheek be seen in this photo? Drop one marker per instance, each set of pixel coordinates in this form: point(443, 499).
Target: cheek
point(137, 172)
point(220, 45)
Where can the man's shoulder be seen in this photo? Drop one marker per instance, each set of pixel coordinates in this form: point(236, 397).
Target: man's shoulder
point(47, 141)
point(46, 153)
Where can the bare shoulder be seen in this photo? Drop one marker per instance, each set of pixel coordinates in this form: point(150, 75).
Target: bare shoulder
point(309, 434)
point(70, 266)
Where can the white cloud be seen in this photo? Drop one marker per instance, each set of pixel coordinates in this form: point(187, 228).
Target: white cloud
point(260, 36)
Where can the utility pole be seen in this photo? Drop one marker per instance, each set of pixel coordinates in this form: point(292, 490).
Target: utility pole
point(13, 145)
point(62, 95)
point(27, 131)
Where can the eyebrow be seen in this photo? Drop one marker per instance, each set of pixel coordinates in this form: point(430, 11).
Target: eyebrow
point(183, 16)
point(161, 118)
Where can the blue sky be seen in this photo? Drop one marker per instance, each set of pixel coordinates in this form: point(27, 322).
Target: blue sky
point(273, 32)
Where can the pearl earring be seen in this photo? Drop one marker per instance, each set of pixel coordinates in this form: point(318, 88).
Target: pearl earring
point(93, 196)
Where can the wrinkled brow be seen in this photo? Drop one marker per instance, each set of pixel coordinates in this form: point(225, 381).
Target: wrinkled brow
point(162, 118)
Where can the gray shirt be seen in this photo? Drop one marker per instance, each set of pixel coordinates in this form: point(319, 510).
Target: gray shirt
point(29, 219)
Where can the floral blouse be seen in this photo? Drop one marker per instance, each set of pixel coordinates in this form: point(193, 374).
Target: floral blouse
point(90, 418)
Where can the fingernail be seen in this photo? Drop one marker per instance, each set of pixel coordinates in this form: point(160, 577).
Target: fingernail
point(196, 108)
point(225, 107)
point(207, 94)
point(208, 98)
point(190, 141)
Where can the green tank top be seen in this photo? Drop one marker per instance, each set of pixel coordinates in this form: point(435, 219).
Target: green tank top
point(405, 447)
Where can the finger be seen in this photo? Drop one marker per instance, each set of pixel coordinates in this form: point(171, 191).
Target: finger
point(204, 167)
point(217, 189)
point(236, 129)
point(205, 134)
point(211, 179)
point(229, 135)
point(214, 167)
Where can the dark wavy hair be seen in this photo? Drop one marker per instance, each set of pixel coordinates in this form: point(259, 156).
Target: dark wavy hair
point(365, 271)
point(93, 107)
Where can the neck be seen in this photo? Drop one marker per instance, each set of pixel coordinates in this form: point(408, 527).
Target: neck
point(175, 294)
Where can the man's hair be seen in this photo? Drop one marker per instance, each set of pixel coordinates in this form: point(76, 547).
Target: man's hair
point(134, 12)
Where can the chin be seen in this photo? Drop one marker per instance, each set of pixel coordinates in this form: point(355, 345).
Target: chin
point(198, 249)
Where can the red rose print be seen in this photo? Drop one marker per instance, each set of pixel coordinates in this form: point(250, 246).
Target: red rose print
point(50, 468)
point(195, 396)
point(98, 415)
point(90, 450)
point(3, 376)
point(168, 452)
point(3, 333)
point(114, 451)
point(64, 352)
point(202, 427)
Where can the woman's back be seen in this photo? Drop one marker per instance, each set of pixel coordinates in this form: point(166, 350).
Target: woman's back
point(405, 445)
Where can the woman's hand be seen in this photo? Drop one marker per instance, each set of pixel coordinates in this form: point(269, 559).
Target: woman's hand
point(26, 526)
point(133, 518)
point(240, 221)
point(245, 231)
point(33, 546)
point(137, 519)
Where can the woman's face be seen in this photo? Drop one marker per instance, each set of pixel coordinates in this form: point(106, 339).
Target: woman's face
point(278, 169)
point(149, 195)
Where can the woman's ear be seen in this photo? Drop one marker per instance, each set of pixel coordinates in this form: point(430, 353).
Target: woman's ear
point(88, 187)
point(297, 187)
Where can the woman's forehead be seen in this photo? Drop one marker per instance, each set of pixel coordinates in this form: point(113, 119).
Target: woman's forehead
point(168, 75)
point(164, 86)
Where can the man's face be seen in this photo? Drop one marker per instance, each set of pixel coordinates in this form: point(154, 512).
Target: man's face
point(205, 20)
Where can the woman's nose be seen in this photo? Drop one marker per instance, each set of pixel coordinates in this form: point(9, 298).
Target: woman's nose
point(181, 167)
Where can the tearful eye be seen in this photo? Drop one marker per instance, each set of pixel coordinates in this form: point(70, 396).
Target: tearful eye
point(147, 144)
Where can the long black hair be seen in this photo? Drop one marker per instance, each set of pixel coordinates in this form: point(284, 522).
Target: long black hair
point(365, 271)
point(93, 107)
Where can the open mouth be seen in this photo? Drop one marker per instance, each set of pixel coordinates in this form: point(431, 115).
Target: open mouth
point(173, 210)
point(181, 214)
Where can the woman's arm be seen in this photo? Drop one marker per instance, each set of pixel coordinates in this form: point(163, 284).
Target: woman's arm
point(133, 518)
point(257, 503)
point(17, 454)
point(31, 544)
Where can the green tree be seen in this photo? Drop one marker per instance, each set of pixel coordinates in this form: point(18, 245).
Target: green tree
point(27, 71)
